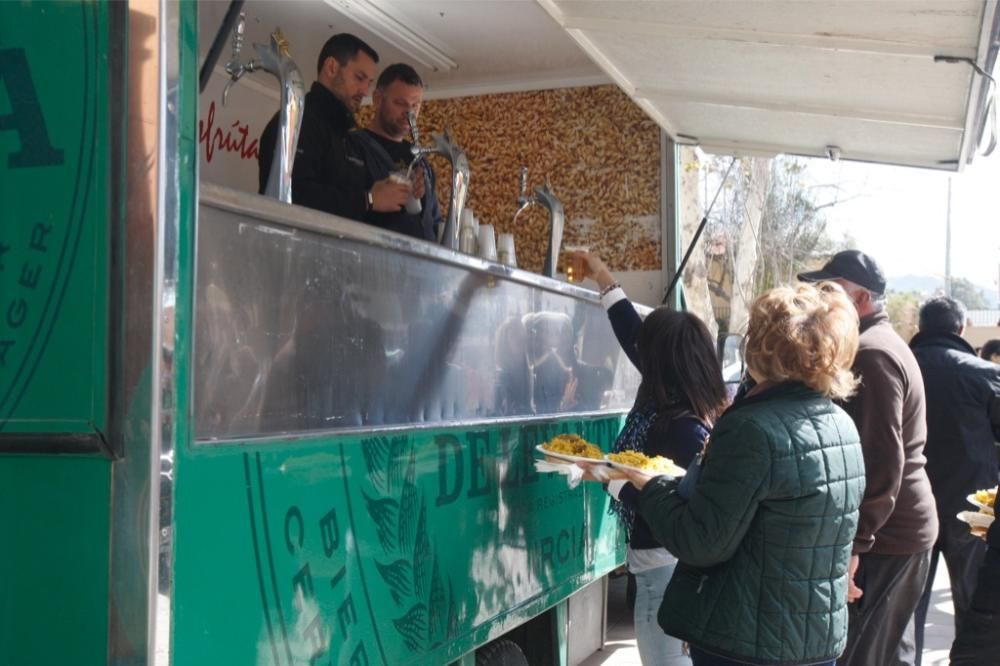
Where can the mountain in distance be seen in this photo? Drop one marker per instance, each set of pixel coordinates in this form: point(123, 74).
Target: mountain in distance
point(922, 284)
point(928, 285)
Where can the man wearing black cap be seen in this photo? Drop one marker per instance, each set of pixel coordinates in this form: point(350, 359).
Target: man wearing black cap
point(898, 525)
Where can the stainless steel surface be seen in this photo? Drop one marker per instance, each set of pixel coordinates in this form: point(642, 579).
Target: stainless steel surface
point(670, 216)
point(544, 196)
point(443, 145)
point(306, 322)
point(275, 60)
point(135, 473)
point(586, 615)
point(164, 395)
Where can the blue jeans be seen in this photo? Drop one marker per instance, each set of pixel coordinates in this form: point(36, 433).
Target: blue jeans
point(655, 647)
point(702, 658)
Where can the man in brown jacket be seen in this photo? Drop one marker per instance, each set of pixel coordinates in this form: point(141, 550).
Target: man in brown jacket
point(898, 524)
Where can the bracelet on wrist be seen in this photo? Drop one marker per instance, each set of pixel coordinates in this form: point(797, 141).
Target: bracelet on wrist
point(611, 287)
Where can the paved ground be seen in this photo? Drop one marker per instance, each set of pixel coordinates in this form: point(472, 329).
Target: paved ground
point(620, 649)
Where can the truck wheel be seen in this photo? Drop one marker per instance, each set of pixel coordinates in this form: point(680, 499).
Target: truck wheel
point(501, 653)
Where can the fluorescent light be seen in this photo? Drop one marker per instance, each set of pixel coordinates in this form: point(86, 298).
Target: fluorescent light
point(371, 16)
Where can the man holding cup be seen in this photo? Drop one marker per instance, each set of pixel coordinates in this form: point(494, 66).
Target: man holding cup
point(387, 154)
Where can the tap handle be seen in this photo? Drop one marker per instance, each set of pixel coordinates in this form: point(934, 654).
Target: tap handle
point(411, 118)
point(237, 42)
point(524, 181)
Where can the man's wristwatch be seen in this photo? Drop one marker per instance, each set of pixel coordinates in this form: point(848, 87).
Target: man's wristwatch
point(369, 200)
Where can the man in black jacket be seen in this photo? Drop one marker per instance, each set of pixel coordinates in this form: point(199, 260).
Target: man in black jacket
point(963, 419)
point(978, 641)
point(327, 174)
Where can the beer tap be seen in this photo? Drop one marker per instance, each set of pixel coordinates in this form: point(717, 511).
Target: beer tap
point(277, 61)
point(544, 196)
point(443, 145)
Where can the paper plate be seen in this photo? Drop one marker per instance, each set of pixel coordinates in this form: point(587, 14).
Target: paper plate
point(976, 519)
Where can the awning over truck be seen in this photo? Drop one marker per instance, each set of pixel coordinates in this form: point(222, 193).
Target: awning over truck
point(898, 82)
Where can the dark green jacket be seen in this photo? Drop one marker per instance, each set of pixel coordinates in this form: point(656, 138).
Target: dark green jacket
point(765, 539)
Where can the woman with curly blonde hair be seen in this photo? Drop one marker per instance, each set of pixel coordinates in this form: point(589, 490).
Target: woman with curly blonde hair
point(764, 536)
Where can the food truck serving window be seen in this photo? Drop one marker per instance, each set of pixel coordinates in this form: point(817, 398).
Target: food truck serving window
point(301, 331)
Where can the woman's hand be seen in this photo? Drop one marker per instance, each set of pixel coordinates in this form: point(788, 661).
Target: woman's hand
point(637, 478)
point(594, 471)
point(596, 269)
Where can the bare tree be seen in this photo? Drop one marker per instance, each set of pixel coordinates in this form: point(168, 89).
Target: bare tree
point(768, 226)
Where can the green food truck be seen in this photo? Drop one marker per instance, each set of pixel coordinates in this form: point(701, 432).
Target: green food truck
point(238, 431)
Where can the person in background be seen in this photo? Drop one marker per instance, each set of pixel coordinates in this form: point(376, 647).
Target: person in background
point(385, 150)
point(991, 351)
point(327, 174)
point(679, 397)
point(898, 523)
point(977, 640)
point(961, 391)
point(764, 538)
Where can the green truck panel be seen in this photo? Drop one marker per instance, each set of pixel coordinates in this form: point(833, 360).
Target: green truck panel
point(396, 548)
point(54, 560)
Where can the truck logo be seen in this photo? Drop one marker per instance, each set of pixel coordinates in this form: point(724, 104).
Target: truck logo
point(48, 191)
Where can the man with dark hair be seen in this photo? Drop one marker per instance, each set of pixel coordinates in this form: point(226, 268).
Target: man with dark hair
point(897, 525)
point(327, 174)
point(962, 390)
point(991, 351)
point(384, 148)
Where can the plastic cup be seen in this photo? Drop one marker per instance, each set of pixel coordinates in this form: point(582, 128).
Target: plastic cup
point(413, 205)
point(505, 250)
point(487, 242)
point(573, 263)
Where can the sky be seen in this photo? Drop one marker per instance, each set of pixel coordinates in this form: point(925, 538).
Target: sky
point(898, 214)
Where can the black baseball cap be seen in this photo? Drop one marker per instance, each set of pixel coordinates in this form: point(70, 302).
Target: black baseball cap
point(851, 265)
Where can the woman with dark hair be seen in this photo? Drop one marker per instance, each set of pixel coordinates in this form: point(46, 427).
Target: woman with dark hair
point(680, 396)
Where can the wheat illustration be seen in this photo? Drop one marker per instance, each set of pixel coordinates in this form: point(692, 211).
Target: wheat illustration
point(383, 512)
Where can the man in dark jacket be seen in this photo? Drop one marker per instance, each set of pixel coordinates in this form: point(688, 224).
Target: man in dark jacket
point(385, 150)
point(977, 641)
point(898, 523)
point(962, 393)
point(327, 174)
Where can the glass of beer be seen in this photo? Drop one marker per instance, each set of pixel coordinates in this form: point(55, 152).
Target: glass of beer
point(573, 263)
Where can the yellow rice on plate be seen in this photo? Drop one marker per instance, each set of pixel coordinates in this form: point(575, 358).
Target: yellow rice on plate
point(573, 445)
point(653, 465)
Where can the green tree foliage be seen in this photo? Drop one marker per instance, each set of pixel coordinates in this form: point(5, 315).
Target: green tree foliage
point(968, 294)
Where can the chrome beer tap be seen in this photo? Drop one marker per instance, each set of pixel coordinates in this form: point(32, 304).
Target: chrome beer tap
point(275, 60)
point(544, 196)
point(443, 145)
